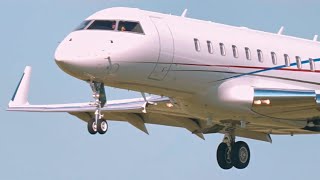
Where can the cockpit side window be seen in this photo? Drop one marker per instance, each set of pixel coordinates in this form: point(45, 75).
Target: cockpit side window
point(83, 25)
point(129, 26)
point(102, 25)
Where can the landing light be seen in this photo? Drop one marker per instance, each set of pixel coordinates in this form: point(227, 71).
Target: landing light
point(267, 101)
point(260, 102)
point(257, 102)
point(169, 105)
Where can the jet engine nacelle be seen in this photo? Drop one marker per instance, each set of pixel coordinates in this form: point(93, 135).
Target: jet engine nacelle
point(237, 98)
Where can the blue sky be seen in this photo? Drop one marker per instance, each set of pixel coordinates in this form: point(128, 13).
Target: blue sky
point(57, 145)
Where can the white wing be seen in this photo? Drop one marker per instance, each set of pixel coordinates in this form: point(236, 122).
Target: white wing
point(137, 111)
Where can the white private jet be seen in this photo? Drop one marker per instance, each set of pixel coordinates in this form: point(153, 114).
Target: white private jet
point(210, 78)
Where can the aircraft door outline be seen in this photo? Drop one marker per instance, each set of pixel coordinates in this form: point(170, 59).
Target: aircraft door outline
point(166, 48)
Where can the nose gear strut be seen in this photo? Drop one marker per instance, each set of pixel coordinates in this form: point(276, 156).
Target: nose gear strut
point(98, 124)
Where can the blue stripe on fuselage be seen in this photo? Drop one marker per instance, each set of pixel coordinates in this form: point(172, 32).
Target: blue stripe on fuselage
point(272, 68)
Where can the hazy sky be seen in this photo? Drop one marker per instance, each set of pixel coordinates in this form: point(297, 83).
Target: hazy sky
point(56, 146)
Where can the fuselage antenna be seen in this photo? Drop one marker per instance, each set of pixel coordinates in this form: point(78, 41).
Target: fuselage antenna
point(184, 13)
point(281, 30)
point(315, 38)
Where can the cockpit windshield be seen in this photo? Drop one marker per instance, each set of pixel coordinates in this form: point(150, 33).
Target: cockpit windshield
point(111, 25)
point(130, 27)
point(103, 25)
point(83, 25)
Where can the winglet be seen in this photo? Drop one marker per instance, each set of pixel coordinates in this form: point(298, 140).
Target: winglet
point(20, 96)
point(184, 13)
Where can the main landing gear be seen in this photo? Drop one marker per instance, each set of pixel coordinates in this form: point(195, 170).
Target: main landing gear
point(233, 154)
point(98, 124)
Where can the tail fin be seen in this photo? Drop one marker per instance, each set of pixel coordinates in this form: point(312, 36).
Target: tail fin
point(20, 96)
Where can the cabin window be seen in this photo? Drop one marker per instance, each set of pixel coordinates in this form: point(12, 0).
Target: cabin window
point(248, 53)
point(298, 61)
point(102, 25)
point(274, 58)
point(222, 49)
point(83, 25)
point(197, 44)
point(287, 60)
point(260, 55)
point(311, 62)
point(235, 51)
point(210, 47)
point(129, 26)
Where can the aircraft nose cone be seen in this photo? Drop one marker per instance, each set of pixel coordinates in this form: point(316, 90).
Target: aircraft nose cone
point(61, 63)
point(81, 66)
point(59, 56)
point(63, 60)
point(66, 66)
point(66, 62)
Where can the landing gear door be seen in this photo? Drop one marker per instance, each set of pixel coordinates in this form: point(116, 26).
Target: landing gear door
point(166, 50)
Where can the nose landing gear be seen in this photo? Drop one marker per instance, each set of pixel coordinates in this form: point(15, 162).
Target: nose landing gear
point(231, 153)
point(98, 124)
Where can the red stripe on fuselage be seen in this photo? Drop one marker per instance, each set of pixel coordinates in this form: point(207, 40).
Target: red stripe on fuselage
point(251, 67)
